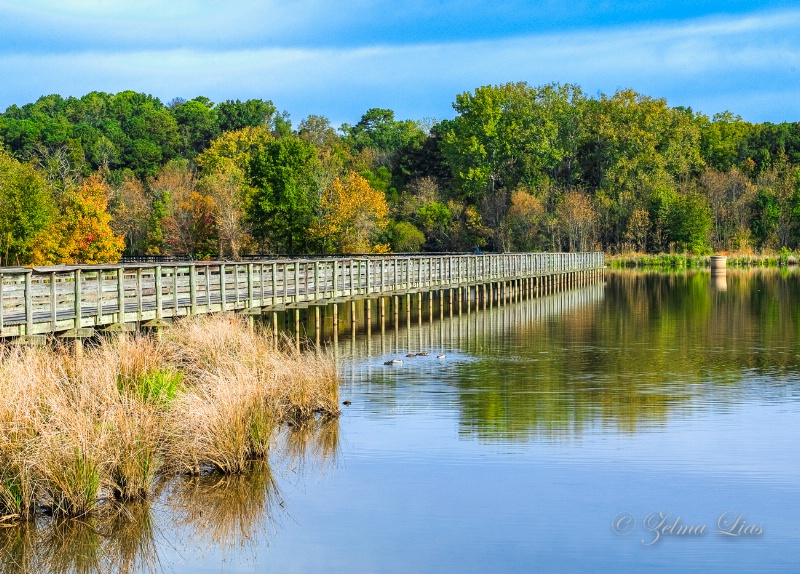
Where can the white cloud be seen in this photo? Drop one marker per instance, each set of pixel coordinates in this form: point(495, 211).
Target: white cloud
point(743, 64)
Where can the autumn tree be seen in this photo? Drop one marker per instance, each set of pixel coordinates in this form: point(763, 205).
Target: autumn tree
point(577, 219)
point(189, 227)
point(351, 214)
point(131, 210)
point(82, 233)
point(235, 147)
point(731, 196)
point(524, 220)
point(227, 187)
point(638, 230)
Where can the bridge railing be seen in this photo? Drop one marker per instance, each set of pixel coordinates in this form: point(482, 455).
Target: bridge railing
point(67, 299)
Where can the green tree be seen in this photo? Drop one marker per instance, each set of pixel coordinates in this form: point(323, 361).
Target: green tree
point(378, 130)
point(723, 140)
point(689, 223)
point(235, 115)
point(27, 207)
point(405, 237)
point(285, 196)
point(197, 125)
point(503, 136)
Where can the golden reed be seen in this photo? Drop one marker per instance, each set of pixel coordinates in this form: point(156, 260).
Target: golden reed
point(80, 429)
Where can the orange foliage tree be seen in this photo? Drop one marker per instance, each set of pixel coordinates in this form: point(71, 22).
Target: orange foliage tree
point(189, 226)
point(82, 233)
point(352, 213)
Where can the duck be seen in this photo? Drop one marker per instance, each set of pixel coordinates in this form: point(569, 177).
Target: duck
point(347, 403)
point(422, 354)
point(411, 355)
point(394, 362)
point(440, 356)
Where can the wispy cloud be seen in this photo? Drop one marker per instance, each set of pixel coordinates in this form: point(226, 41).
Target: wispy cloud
point(749, 64)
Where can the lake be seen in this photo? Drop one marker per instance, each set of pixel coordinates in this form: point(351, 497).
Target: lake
point(650, 421)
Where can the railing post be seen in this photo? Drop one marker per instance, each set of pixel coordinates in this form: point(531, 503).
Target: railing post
point(223, 296)
point(99, 295)
point(316, 283)
point(120, 295)
point(159, 295)
point(237, 299)
point(28, 302)
point(1, 303)
point(274, 283)
point(250, 302)
point(53, 302)
point(193, 289)
point(139, 294)
point(350, 263)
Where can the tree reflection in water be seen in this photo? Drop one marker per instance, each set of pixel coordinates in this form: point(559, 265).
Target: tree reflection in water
point(623, 355)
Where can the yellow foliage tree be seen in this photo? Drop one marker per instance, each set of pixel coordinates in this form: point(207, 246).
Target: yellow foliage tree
point(352, 212)
point(82, 233)
point(233, 147)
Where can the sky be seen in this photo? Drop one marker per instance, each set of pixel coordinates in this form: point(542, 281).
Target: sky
point(338, 59)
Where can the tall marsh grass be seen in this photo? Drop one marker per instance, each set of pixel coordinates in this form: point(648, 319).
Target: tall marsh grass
point(81, 429)
point(783, 258)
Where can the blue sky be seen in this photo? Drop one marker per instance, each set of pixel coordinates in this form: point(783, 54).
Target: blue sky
point(340, 58)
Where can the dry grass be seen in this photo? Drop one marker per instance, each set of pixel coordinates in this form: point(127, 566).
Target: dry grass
point(80, 429)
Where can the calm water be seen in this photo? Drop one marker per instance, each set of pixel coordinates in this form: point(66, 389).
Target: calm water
point(548, 440)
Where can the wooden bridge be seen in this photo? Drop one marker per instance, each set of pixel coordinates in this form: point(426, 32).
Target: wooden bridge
point(77, 301)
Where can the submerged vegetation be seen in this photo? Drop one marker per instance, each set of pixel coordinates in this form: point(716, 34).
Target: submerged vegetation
point(79, 430)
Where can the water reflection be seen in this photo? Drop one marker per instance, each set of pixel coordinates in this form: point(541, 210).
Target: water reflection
point(314, 442)
point(621, 356)
point(212, 513)
point(121, 539)
point(225, 511)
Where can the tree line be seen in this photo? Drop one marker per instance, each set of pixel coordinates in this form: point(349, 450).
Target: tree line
point(518, 168)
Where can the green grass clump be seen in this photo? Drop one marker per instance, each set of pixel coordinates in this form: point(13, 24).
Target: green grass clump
point(71, 483)
point(160, 386)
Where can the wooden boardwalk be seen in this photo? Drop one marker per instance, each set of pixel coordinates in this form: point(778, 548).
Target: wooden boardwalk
point(77, 301)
